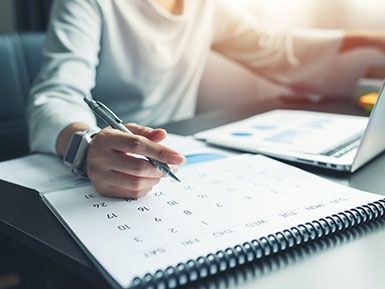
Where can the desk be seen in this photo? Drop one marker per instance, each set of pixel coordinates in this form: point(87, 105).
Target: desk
point(354, 259)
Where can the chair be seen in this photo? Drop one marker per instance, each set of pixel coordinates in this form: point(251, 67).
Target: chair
point(20, 56)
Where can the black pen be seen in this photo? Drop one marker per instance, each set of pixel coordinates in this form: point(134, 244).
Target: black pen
point(114, 121)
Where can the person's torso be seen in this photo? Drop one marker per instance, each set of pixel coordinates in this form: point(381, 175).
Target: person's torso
point(153, 59)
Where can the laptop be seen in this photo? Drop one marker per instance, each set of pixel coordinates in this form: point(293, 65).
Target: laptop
point(333, 141)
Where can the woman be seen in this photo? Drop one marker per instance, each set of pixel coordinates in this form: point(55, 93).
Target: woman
point(160, 47)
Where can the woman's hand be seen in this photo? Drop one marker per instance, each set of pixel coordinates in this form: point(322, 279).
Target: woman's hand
point(116, 172)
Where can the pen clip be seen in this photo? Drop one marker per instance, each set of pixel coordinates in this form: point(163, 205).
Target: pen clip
point(107, 110)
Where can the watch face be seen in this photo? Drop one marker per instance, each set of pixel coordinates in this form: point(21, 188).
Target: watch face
point(72, 149)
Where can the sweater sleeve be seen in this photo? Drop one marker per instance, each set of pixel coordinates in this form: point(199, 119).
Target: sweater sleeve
point(299, 58)
point(70, 58)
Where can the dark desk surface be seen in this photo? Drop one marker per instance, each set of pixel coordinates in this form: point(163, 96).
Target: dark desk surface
point(353, 259)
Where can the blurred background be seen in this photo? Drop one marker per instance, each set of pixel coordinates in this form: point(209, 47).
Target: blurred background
point(323, 14)
point(320, 13)
point(223, 79)
point(23, 15)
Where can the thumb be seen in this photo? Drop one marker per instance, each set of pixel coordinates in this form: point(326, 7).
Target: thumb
point(155, 135)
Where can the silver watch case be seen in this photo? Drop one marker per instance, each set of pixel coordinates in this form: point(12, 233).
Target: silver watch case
point(77, 149)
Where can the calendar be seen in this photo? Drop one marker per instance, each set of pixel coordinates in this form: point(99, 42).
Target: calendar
point(217, 205)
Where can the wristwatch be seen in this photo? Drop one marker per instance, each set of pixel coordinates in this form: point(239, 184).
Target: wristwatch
point(77, 151)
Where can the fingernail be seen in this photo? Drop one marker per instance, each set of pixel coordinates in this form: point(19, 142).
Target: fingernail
point(174, 168)
point(177, 159)
point(159, 130)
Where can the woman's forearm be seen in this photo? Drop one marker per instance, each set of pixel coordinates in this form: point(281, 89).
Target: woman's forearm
point(66, 134)
point(363, 39)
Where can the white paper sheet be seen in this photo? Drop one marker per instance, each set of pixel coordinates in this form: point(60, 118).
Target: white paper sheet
point(41, 172)
point(218, 205)
point(288, 130)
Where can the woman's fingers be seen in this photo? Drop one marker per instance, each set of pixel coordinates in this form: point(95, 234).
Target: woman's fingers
point(127, 164)
point(114, 169)
point(129, 182)
point(155, 135)
point(116, 184)
point(140, 145)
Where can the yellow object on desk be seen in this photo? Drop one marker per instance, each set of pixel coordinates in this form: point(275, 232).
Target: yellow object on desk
point(367, 101)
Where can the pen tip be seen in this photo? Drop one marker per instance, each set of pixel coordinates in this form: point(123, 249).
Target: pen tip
point(172, 175)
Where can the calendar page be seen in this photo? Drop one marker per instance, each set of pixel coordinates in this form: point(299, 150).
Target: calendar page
point(218, 204)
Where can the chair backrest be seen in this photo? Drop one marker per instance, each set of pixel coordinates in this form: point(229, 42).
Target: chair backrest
point(20, 57)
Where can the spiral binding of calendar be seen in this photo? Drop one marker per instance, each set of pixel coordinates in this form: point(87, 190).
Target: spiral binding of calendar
point(247, 252)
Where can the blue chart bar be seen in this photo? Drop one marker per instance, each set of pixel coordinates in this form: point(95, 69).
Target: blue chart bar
point(241, 134)
point(200, 158)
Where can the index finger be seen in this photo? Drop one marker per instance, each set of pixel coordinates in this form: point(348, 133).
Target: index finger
point(142, 146)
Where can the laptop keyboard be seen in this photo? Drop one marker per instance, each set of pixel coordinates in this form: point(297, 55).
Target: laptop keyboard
point(344, 148)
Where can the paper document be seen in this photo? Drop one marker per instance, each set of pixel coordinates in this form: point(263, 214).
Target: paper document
point(218, 205)
point(287, 130)
point(44, 173)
